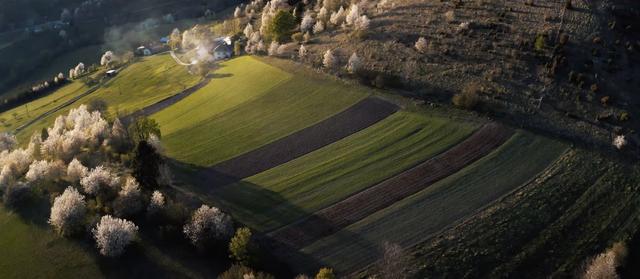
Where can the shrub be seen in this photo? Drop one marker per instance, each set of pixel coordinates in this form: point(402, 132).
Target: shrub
point(112, 235)
point(129, 200)
point(325, 273)
point(421, 45)
point(539, 42)
point(208, 224)
point(241, 247)
point(68, 211)
point(469, 97)
point(242, 272)
point(16, 194)
point(297, 37)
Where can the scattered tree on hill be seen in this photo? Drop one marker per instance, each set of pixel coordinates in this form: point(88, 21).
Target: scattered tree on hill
point(146, 165)
point(273, 48)
point(605, 264)
point(619, 142)
point(112, 235)
point(421, 45)
point(325, 273)
point(107, 59)
point(353, 15)
point(156, 203)
point(281, 26)
point(99, 180)
point(307, 23)
point(79, 69)
point(241, 246)
point(337, 17)
point(208, 224)
point(362, 23)
point(67, 212)
point(318, 27)
point(129, 200)
point(302, 52)
point(354, 64)
point(76, 171)
point(329, 60)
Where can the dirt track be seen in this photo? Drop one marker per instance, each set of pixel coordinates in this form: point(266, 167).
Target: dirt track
point(358, 117)
point(384, 194)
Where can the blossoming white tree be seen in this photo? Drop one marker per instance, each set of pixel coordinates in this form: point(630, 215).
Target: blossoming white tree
point(329, 60)
point(307, 23)
point(7, 141)
point(76, 171)
point(619, 142)
point(112, 235)
point(353, 15)
point(248, 30)
point(354, 64)
point(362, 23)
point(318, 27)
point(273, 48)
point(208, 224)
point(237, 13)
point(421, 45)
point(44, 170)
point(337, 17)
point(67, 212)
point(156, 202)
point(107, 58)
point(129, 199)
point(302, 52)
point(99, 179)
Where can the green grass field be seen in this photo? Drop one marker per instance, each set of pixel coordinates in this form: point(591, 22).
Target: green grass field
point(293, 190)
point(289, 104)
point(34, 251)
point(415, 218)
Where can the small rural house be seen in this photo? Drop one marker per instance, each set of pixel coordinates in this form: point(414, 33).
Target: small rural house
point(143, 51)
point(222, 51)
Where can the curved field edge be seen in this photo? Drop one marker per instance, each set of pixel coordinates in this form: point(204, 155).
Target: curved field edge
point(323, 177)
point(576, 209)
point(288, 107)
point(418, 217)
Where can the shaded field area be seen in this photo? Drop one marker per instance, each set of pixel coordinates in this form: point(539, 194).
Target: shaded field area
point(384, 194)
point(417, 217)
point(576, 209)
point(300, 187)
point(287, 107)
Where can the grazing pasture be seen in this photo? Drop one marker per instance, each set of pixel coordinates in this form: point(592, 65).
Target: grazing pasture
point(415, 218)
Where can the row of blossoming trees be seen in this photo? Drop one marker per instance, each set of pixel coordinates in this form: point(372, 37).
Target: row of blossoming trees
point(101, 178)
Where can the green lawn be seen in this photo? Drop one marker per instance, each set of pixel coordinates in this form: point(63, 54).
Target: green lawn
point(33, 251)
point(415, 218)
point(288, 192)
point(205, 137)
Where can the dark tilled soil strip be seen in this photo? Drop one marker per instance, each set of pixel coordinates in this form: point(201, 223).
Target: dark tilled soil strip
point(359, 116)
point(337, 216)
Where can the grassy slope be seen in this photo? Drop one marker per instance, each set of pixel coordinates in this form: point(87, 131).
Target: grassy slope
point(287, 107)
point(139, 85)
point(411, 220)
point(30, 251)
point(41, 105)
point(228, 89)
point(295, 189)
